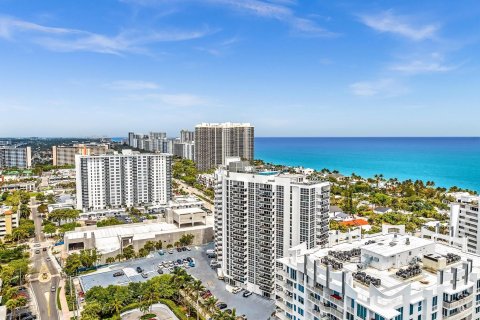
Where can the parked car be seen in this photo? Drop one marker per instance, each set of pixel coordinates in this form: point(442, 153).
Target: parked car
point(44, 249)
point(221, 305)
point(48, 259)
point(160, 271)
point(188, 248)
point(144, 275)
point(247, 294)
point(179, 261)
point(37, 251)
point(118, 273)
point(170, 251)
point(139, 270)
point(236, 290)
point(36, 245)
point(161, 252)
point(53, 289)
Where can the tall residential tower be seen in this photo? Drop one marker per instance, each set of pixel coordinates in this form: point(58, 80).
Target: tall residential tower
point(127, 179)
point(259, 216)
point(216, 141)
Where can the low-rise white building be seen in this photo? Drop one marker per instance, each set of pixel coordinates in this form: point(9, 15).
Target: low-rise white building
point(110, 241)
point(386, 277)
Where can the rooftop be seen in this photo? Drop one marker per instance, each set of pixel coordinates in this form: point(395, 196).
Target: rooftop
point(381, 247)
point(356, 222)
point(223, 125)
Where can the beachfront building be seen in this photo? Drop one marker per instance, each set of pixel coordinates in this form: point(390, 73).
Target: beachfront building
point(65, 155)
point(214, 142)
point(8, 220)
point(12, 156)
point(123, 180)
point(259, 216)
point(184, 150)
point(187, 136)
point(385, 277)
point(153, 142)
point(465, 220)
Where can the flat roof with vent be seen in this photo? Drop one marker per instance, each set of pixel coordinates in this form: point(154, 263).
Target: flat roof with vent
point(394, 245)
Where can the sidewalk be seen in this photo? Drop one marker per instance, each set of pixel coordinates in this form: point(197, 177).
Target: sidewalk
point(63, 301)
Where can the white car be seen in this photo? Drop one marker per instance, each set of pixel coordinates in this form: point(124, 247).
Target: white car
point(189, 249)
point(236, 290)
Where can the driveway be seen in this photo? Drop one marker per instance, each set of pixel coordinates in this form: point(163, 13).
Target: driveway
point(254, 307)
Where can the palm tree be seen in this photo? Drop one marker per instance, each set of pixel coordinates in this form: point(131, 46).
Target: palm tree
point(149, 297)
point(119, 257)
point(210, 304)
point(110, 260)
point(196, 286)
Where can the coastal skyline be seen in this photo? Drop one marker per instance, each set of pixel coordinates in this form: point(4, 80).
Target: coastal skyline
point(291, 68)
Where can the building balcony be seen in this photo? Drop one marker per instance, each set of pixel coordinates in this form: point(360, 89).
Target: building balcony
point(460, 315)
point(458, 303)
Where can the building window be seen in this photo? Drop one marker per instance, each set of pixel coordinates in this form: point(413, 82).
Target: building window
point(361, 311)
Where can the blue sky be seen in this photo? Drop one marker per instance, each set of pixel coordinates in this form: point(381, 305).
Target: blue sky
point(291, 68)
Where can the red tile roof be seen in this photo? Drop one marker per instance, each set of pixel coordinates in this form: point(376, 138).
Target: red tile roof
point(356, 222)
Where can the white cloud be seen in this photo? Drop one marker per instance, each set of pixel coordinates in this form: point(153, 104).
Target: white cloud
point(132, 85)
point(279, 11)
point(434, 63)
point(422, 66)
point(389, 23)
point(170, 99)
point(382, 87)
point(183, 100)
point(67, 40)
point(272, 9)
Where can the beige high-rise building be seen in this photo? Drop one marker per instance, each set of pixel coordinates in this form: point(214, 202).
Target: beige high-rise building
point(216, 141)
point(15, 157)
point(8, 220)
point(65, 155)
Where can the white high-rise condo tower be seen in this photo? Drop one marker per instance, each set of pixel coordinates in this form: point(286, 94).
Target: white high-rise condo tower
point(259, 216)
point(119, 180)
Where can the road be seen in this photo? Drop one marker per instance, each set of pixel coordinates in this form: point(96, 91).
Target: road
point(46, 300)
point(195, 191)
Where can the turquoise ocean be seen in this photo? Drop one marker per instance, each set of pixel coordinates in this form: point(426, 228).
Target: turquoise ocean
point(446, 161)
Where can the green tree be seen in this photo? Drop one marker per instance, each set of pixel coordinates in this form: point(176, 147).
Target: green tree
point(128, 252)
point(49, 229)
point(25, 211)
point(196, 287)
point(14, 304)
point(186, 239)
point(40, 197)
point(72, 264)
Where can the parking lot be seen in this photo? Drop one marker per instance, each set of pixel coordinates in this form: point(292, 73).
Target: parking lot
point(254, 307)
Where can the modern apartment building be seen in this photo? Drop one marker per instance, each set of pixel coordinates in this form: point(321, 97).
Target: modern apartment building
point(187, 136)
point(65, 155)
point(465, 220)
point(119, 180)
point(184, 150)
point(259, 216)
point(8, 220)
point(386, 277)
point(15, 157)
point(216, 141)
point(154, 141)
